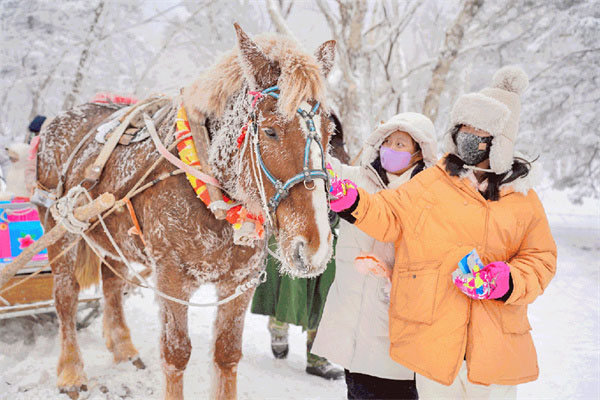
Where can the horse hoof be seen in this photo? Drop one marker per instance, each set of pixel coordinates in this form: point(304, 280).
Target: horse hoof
point(139, 364)
point(73, 391)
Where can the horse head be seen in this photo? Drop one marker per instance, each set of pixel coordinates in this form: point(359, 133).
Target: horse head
point(287, 137)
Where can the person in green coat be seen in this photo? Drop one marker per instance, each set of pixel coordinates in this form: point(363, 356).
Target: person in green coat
point(299, 302)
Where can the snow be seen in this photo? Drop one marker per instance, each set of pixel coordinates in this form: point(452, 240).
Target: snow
point(565, 325)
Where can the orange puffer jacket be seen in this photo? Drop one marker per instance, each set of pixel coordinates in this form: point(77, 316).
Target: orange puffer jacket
point(434, 220)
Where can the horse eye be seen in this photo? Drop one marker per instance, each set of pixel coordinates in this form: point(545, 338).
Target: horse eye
point(270, 132)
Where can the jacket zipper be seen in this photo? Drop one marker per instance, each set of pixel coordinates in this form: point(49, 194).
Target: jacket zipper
point(486, 227)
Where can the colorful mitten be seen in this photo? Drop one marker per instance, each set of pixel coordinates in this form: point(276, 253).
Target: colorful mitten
point(479, 282)
point(344, 191)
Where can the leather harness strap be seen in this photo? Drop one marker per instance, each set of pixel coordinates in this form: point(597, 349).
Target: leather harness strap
point(94, 171)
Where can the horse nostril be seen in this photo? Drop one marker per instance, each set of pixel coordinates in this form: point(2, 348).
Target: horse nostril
point(298, 252)
point(299, 257)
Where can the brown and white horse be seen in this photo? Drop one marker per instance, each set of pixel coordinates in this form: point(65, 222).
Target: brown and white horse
point(186, 245)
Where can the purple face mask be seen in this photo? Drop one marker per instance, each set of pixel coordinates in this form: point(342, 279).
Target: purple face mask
point(393, 161)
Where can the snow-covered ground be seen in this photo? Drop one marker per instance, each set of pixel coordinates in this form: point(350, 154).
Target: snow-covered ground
point(565, 324)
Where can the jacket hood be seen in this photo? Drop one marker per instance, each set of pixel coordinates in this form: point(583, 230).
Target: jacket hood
point(419, 127)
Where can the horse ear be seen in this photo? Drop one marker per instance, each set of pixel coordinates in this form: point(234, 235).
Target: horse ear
point(258, 69)
point(325, 55)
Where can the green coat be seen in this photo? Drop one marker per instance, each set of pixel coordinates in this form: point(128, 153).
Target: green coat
point(297, 301)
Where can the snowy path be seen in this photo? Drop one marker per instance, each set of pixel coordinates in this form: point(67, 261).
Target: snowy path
point(565, 329)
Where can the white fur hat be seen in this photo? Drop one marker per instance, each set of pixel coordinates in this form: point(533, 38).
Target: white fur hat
point(418, 126)
point(495, 110)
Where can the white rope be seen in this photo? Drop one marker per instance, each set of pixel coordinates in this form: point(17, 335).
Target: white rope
point(258, 178)
point(243, 150)
point(239, 290)
point(274, 255)
point(63, 208)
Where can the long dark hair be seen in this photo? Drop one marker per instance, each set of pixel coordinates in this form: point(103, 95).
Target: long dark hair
point(520, 168)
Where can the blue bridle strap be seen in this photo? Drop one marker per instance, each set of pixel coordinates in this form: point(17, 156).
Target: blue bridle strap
point(307, 175)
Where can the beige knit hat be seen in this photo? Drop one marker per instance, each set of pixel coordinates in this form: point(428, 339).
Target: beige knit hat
point(495, 110)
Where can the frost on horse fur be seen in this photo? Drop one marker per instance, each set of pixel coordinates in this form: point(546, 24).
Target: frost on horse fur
point(186, 245)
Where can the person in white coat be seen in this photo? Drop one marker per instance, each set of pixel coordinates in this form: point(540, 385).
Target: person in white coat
point(354, 328)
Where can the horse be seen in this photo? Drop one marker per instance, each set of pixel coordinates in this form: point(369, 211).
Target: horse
point(272, 175)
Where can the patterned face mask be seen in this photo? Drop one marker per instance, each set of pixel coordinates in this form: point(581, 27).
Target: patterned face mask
point(470, 149)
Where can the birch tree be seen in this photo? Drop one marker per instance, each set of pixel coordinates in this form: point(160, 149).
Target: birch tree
point(447, 55)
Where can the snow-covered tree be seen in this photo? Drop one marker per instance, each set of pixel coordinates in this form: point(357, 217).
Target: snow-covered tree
point(391, 56)
point(420, 55)
point(56, 55)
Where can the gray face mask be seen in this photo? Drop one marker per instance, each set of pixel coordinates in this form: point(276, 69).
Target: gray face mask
point(469, 150)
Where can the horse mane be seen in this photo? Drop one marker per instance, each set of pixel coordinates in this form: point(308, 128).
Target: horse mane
point(301, 78)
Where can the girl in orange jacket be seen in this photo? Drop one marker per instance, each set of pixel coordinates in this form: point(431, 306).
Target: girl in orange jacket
point(465, 332)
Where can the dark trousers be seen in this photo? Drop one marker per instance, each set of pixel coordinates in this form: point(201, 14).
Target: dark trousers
point(361, 386)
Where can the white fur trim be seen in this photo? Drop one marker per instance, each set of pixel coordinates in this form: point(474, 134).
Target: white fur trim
point(481, 112)
point(419, 127)
point(449, 145)
point(511, 78)
point(501, 154)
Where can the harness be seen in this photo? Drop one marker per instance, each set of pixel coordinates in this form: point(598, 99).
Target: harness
point(307, 175)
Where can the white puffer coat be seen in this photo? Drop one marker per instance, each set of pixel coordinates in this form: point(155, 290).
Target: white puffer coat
point(353, 331)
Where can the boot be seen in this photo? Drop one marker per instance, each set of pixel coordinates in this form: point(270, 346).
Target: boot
point(279, 338)
point(320, 366)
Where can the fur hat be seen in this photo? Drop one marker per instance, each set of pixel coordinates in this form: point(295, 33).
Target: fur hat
point(418, 126)
point(495, 110)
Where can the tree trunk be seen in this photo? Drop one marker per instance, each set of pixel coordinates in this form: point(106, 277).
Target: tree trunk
point(448, 54)
point(76, 87)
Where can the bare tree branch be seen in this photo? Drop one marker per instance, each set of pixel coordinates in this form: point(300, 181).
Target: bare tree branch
point(397, 29)
point(277, 19)
point(285, 11)
point(447, 55)
point(76, 87)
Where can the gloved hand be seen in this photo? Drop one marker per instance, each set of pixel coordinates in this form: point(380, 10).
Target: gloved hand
point(344, 191)
point(482, 282)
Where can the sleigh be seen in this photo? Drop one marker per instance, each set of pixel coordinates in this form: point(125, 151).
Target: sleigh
point(29, 291)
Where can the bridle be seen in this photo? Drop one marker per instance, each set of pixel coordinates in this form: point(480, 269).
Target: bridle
point(307, 175)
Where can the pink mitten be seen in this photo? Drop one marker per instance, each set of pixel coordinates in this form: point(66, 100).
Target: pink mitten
point(491, 282)
point(344, 191)
point(501, 273)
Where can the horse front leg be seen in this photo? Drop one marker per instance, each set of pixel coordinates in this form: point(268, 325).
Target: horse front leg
point(229, 327)
point(175, 344)
point(116, 332)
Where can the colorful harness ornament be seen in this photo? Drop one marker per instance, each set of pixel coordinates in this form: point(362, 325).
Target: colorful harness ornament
point(247, 227)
